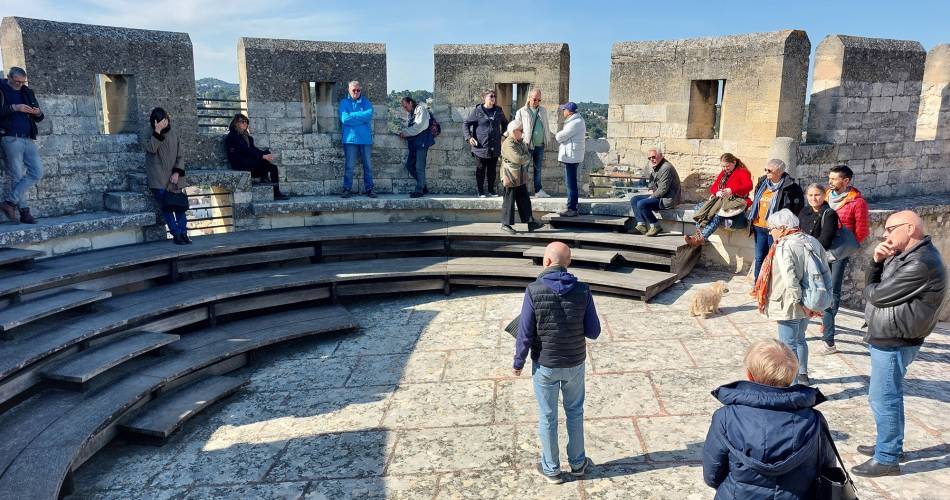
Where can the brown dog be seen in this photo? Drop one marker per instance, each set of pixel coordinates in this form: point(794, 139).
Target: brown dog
point(706, 300)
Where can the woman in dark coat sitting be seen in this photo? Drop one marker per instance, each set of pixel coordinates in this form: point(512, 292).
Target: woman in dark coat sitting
point(244, 155)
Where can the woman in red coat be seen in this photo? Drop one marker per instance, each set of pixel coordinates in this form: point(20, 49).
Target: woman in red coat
point(729, 195)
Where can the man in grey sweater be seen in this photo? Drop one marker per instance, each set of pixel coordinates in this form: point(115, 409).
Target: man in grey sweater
point(664, 186)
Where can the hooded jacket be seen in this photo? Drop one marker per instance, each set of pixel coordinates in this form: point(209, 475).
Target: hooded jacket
point(557, 314)
point(764, 442)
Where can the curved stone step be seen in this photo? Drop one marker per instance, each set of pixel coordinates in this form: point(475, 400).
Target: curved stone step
point(162, 417)
point(27, 312)
point(85, 365)
point(18, 258)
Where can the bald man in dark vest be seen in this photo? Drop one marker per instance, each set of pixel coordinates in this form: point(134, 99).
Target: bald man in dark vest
point(557, 318)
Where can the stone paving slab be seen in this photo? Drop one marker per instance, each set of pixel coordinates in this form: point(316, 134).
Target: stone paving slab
point(421, 403)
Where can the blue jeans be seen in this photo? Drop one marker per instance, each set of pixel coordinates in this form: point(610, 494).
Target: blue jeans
point(792, 333)
point(710, 226)
point(763, 241)
point(886, 392)
point(416, 166)
point(570, 180)
point(21, 152)
point(838, 268)
point(177, 222)
point(349, 161)
point(548, 384)
point(537, 157)
point(643, 206)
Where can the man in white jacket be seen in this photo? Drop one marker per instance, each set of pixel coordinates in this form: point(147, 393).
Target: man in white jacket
point(535, 120)
point(570, 152)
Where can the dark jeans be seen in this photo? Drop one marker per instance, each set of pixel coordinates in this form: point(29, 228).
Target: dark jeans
point(263, 170)
point(763, 241)
point(176, 221)
point(570, 181)
point(838, 268)
point(537, 158)
point(516, 195)
point(416, 166)
point(489, 165)
point(643, 206)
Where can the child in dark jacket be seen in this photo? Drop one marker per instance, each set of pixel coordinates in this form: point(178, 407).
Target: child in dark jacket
point(764, 441)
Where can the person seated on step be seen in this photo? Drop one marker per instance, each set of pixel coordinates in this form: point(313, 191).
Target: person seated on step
point(729, 196)
point(515, 158)
point(245, 156)
point(767, 441)
point(664, 193)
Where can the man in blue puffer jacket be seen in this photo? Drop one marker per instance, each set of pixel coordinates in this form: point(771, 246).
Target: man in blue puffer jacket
point(765, 441)
point(356, 115)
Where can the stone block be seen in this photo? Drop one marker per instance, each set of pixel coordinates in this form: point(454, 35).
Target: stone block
point(880, 104)
point(901, 103)
point(283, 126)
point(127, 201)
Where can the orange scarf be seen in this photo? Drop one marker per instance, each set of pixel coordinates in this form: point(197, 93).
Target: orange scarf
point(761, 290)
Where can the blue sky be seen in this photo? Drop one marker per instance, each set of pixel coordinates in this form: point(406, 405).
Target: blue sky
point(409, 29)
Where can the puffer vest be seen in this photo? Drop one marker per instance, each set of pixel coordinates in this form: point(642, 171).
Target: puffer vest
point(560, 324)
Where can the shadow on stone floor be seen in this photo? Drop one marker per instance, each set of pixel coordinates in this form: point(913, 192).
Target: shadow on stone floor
point(937, 390)
point(917, 460)
point(655, 461)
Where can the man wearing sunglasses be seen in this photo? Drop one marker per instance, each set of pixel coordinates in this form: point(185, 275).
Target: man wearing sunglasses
point(664, 186)
point(536, 131)
point(356, 115)
point(19, 114)
point(906, 286)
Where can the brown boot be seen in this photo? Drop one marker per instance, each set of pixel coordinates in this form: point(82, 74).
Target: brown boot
point(25, 216)
point(9, 209)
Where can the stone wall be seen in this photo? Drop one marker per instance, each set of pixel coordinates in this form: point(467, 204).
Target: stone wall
point(660, 94)
point(80, 159)
point(462, 72)
point(865, 111)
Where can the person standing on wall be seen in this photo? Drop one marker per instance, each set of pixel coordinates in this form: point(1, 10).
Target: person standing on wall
point(906, 286)
point(418, 137)
point(536, 130)
point(664, 193)
point(853, 214)
point(243, 155)
point(483, 129)
point(19, 114)
point(773, 191)
point(571, 147)
point(165, 171)
point(356, 115)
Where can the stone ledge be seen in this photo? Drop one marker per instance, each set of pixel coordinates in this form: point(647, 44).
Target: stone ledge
point(71, 225)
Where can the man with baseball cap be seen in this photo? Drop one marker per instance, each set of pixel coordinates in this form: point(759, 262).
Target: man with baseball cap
point(570, 152)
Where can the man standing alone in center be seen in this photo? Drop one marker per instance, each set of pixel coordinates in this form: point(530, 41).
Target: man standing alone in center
point(557, 318)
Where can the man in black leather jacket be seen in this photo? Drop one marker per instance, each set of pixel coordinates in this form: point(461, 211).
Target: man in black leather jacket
point(906, 286)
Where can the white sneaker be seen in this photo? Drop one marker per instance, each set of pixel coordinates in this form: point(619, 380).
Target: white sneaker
point(541, 194)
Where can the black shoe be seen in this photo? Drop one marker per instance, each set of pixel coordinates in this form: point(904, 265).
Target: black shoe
point(580, 471)
point(177, 240)
point(25, 216)
point(346, 194)
point(873, 468)
point(508, 229)
point(281, 196)
point(868, 450)
point(371, 194)
point(533, 225)
point(425, 189)
point(492, 194)
point(185, 239)
point(415, 194)
point(9, 209)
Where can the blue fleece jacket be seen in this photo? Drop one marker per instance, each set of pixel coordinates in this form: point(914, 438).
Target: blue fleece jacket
point(357, 118)
point(559, 283)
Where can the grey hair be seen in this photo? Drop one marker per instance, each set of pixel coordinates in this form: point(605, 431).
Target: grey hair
point(514, 125)
point(783, 218)
point(16, 71)
point(658, 149)
point(354, 83)
point(779, 164)
point(815, 185)
point(534, 90)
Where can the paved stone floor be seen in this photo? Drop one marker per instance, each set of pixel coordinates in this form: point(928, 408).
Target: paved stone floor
point(421, 404)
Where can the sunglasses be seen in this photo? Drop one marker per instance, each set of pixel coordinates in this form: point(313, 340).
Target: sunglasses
point(356, 90)
point(651, 157)
point(491, 97)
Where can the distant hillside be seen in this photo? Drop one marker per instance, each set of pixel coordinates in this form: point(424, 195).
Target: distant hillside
point(212, 88)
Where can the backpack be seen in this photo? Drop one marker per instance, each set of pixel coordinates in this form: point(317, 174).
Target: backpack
point(434, 128)
point(816, 281)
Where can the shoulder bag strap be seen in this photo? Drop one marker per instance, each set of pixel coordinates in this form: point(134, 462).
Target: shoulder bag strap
point(826, 432)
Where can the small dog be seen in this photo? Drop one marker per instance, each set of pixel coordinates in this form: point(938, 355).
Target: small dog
point(706, 300)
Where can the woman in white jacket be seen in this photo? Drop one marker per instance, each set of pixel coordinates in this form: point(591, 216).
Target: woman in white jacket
point(570, 152)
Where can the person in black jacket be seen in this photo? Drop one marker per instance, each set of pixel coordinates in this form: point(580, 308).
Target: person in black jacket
point(818, 219)
point(767, 441)
point(774, 191)
point(483, 129)
point(19, 114)
point(906, 286)
point(244, 155)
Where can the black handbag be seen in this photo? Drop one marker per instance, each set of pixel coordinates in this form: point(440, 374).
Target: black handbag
point(512, 326)
point(832, 483)
point(174, 202)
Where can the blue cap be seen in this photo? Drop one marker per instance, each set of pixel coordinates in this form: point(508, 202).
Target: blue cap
point(570, 106)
